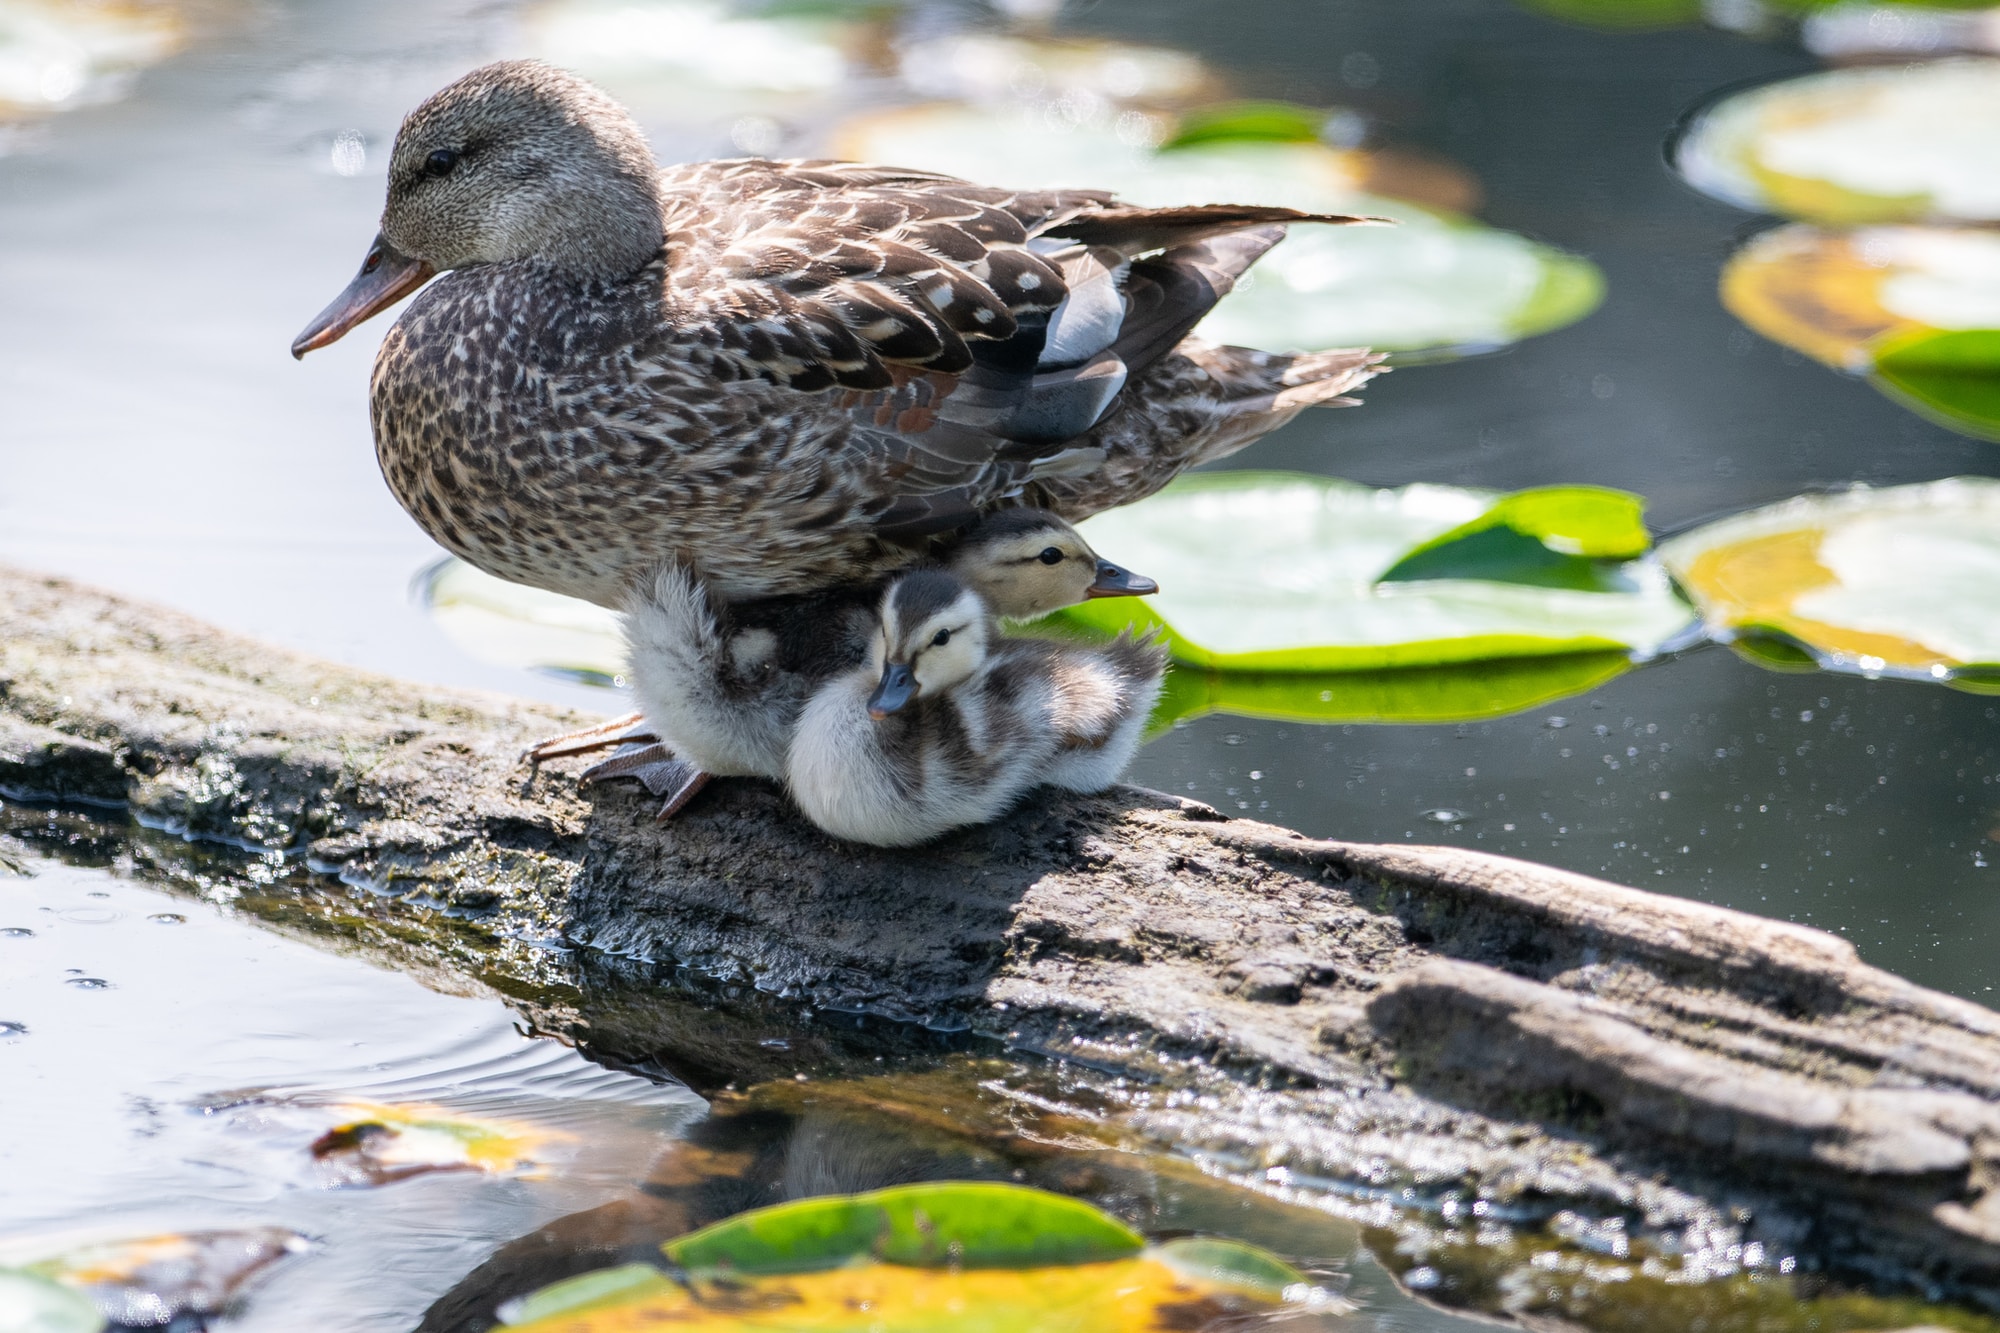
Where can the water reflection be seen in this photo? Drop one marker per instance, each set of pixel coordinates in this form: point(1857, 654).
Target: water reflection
point(119, 1119)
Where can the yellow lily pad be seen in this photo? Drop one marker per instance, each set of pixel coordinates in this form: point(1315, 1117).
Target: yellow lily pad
point(1852, 146)
point(377, 1144)
point(1839, 296)
point(1433, 284)
point(988, 1258)
point(1903, 581)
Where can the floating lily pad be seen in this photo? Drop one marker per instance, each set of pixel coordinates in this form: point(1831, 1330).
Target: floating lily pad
point(1621, 15)
point(990, 67)
point(685, 61)
point(1952, 378)
point(1903, 581)
point(1852, 146)
point(377, 1145)
point(1434, 284)
point(1273, 571)
point(510, 624)
point(1917, 309)
point(1466, 692)
point(986, 1258)
point(33, 1304)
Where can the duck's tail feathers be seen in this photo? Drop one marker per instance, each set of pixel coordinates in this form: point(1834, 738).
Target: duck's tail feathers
point(1261, 391)
point(1134, 231)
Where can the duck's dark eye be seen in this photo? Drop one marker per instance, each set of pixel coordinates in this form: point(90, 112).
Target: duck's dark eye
point(440, 162)
point(941, 638)
point(1051, 556)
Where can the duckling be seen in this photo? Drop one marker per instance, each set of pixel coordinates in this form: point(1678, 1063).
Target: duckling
point(789, 373)
point(720, 688)
point(945, 724)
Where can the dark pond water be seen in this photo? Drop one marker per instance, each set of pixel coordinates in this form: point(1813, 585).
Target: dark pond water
point(159, 250)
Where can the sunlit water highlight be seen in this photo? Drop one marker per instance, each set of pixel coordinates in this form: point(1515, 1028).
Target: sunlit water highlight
point(185, 1090)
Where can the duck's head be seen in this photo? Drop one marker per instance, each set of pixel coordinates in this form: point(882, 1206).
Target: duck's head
point(934, 635)
point(1027, 563)
point(517, 160)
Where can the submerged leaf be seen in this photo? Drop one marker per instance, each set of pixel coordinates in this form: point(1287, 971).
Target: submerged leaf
point(1269, 571)
point(379, 1144)
point(1849, 146)
point(1903, 581)
point(156, 1280)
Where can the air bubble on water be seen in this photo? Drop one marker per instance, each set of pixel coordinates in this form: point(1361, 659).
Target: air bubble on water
point(168, 918)
point(1444, 815)
point(9, 1028)
point(16, 933)
point(88, 983)
point(1556, 723)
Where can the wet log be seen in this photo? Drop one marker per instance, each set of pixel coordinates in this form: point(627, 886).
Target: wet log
point(1421, 1023)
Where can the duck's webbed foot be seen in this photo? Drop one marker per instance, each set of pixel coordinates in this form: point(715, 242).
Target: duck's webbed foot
point(655, 765)
point(618, 731)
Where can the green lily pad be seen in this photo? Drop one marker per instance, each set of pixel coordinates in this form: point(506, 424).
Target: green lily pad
point(1952, 378)
point(34, 1304)
point(587, 1291)
point(1283, 572)
point(972, 1224)
point(969, 1256)
point(1621, 15)
point(1433, 284)
point(1859, 145)
point(1903, 581)
point(1465, 692)
point(1247, 122)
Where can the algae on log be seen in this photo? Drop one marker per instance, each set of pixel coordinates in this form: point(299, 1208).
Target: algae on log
point(1400, 1018)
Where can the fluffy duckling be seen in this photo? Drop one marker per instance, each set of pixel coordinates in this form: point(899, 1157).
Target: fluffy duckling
point(946, 724)
point(723, 685)
point(792, 370)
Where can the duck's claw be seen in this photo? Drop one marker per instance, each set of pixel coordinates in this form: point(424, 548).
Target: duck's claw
point(654, 765)
point(618, 731)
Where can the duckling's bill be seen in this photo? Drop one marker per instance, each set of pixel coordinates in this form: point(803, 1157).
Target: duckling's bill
point(387, 276)
point(898, 687)
point(1115, 581)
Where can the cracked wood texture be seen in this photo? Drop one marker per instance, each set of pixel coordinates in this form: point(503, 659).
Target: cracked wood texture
point(1417, 1021)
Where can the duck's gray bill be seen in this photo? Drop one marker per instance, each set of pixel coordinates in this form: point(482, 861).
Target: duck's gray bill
point(386, 277)
point(1112, 581)
point(898, 687)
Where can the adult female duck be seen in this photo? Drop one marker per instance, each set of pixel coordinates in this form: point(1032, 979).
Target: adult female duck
point(785, 373)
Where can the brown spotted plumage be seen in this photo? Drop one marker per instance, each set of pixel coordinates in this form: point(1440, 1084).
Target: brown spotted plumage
point(783, 374)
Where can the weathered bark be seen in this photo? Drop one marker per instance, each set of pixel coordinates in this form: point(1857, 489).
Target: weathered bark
point(1399, 1017)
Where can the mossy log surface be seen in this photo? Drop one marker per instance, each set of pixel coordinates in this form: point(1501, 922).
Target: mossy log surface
point(1409, 1022)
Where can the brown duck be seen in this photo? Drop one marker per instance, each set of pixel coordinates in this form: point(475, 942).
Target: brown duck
point(785, 375)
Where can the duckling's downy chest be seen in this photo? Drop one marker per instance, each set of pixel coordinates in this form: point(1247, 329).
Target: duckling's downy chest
point(550, 436)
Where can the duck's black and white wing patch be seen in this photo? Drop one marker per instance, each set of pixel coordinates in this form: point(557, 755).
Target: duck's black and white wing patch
point(969, 333)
